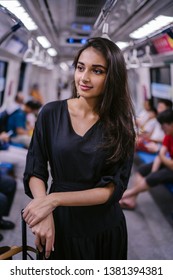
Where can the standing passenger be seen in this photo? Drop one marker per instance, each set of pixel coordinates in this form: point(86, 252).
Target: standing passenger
point(89, 142)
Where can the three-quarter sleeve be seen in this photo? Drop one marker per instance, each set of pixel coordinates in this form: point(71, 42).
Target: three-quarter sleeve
point(119, 175)
point(36, 161)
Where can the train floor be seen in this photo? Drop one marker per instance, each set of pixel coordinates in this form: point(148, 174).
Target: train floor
point(150, 228)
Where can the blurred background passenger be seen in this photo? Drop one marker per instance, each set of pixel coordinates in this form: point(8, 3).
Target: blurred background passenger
point(7, 192)
point(17, 122)
point(12, 154)
point(152, 143)
point(160, 171)
point(36, 94)
point(16, 104)
point(148, 127)
point(145, 115)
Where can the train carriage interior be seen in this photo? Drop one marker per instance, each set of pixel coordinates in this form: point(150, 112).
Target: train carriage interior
point(38, 41)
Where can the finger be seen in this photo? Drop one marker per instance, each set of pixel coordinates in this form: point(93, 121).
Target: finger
point(27, 217)
point(25, 212)
point(43, 241)
point(33, 221)
point(30, 220)
point(24, 215)
point(38, 244)
point(48, 247)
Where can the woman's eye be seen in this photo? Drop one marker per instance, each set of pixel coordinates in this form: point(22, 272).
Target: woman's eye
point(98, 71)
point(80, 68)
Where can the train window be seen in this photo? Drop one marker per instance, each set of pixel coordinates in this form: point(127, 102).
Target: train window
point(3, 73)
point(161, 82)
point(161, 75)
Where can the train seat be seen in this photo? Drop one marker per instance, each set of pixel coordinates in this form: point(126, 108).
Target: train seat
point(146, 157)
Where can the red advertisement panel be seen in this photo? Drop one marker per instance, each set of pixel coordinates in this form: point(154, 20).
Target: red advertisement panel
point(163, 44)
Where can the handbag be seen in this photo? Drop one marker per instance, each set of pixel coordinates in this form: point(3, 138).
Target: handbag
point(7, 252)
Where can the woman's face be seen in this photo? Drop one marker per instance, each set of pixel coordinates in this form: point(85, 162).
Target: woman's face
point(161, 107)
point(90, 73)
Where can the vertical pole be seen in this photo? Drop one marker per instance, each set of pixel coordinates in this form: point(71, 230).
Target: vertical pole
point(24, 238)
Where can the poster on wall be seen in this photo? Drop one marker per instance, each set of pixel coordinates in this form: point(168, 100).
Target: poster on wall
point(163, 43)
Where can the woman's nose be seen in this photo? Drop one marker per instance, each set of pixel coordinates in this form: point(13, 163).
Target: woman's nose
point(85, 77)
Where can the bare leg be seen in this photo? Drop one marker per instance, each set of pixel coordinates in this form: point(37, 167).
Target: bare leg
point(128, 200)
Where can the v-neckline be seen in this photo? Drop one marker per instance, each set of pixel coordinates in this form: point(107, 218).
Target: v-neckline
point(71, 125)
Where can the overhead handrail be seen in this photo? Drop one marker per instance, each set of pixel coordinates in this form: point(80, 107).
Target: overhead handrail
point(147, 60)
point(11, 31)
point(14, 28)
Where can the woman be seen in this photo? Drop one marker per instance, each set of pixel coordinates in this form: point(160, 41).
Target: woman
point(88, 141)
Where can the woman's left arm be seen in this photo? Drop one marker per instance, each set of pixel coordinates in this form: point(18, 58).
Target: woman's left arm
point(48, 203)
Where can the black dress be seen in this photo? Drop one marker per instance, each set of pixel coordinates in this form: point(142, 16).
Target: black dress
point(78, 163)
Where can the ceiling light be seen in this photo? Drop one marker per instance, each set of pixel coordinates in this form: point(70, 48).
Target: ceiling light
point(16, 8)
point(152, 26)
point(44, 42)
point(122, 45)
point(52, 52)
point(10, 4)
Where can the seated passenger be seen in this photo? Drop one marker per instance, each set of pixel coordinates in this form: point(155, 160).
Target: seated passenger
point(158, 172)
point(12, 154)
point(144, 116)
point(16, 104)
point(148, 127)
point(17, 122)
point(7, 192)
point(153, 143)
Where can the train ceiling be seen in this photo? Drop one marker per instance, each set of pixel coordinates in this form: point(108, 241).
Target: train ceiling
point(66, 23)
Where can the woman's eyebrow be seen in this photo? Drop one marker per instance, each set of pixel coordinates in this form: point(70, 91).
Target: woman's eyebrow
point(94, 65)
point(99, 65)
point(80, 62)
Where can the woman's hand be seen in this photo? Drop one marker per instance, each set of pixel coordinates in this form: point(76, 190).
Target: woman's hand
point(38, 209)
point(44, 232)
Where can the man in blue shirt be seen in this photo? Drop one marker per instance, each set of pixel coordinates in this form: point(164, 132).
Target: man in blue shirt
point(17, 122)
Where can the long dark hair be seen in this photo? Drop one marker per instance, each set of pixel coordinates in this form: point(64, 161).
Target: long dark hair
point(115, 108)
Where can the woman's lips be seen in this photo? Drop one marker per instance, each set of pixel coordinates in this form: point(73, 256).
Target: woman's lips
point(84, 87)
